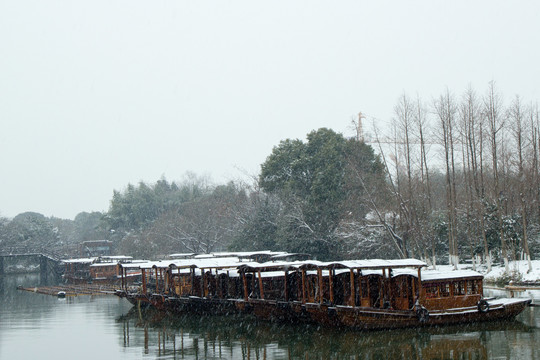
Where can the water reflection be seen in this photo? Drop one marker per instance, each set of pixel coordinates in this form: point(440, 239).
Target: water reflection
point(210, 337)
point(35, 326)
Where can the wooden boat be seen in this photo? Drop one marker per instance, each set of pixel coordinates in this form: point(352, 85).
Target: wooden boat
point(364, 294)
point(199, 284)
point(102, 270)
point(372, 294)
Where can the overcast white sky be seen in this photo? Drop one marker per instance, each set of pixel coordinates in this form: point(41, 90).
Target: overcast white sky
point(98, 94)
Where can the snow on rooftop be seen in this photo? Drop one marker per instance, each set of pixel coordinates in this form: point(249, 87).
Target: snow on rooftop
point(272, 265)
point(432, 275)
point(80, 261)
point(241, 254)
point(349, 264)
point(104, 264)
point(377, 263)
point(116, 257)
point(181, 255)
point(206, 263)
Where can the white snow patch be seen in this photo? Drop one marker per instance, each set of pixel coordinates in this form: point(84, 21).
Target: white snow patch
point(497, 270)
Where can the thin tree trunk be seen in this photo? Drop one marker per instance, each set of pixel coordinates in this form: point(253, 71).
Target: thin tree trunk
point(445, 111)
point(516, 114)
point(495, 126)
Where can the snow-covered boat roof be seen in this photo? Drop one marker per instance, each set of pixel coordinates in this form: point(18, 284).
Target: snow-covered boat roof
point(80, 261)
point(207, 263)
point(349, 264)
point(104, 264)
point(289, 255)
point(235, 264)
point(99, 259)
point(377, 264)
point(181, 255)
point(116, 257)
point(435, 275)
point(241, 254)
point(271, 266)
point(145, 264)
point(202, 263)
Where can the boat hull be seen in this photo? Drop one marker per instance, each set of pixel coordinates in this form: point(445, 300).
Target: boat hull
point(372, 319)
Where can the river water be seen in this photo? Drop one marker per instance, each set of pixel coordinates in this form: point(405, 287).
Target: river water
point(35, 326)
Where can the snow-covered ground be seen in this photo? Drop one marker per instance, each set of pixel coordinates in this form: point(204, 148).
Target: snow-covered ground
point(518, 270)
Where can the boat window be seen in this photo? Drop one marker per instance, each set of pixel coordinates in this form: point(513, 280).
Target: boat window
point(459, 288)
point(364, 286)
point(471, 287)
point(431, 291)
point(397, 287)
point(444, 290)
point(312, 288)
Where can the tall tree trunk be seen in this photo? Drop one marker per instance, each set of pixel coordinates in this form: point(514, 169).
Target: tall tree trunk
point(445, 110)
point(404, 111)
point(420, 119)
point(474, 141)
point(495, 123)
point(516, 116)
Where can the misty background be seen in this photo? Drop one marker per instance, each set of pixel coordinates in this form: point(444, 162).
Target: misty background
point(97, 95)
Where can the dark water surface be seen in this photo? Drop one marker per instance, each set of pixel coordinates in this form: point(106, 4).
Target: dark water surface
point(35, 326)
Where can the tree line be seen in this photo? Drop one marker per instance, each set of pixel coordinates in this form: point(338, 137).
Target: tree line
point(452, 179)
point(464, 177)
point(305, 199)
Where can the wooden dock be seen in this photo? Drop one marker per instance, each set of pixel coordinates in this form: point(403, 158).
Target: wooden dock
point(73, 290)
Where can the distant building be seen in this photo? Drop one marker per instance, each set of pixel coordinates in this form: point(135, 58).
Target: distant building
point(96, 248)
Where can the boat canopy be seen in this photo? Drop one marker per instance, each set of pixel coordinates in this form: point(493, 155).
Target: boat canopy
point(376, 264)
point(244, 264)
point(209, 263)
point(80, 261)
point(241, 254)
point(434, 275)
point(350, 264)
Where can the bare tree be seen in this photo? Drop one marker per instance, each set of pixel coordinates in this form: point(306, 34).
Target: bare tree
point(493, 114)
point(426, 205)
point(446, 109)
point(405, 114)
point(535, 169)
point(471, 122)
point(398, 241)
point(517, 116)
